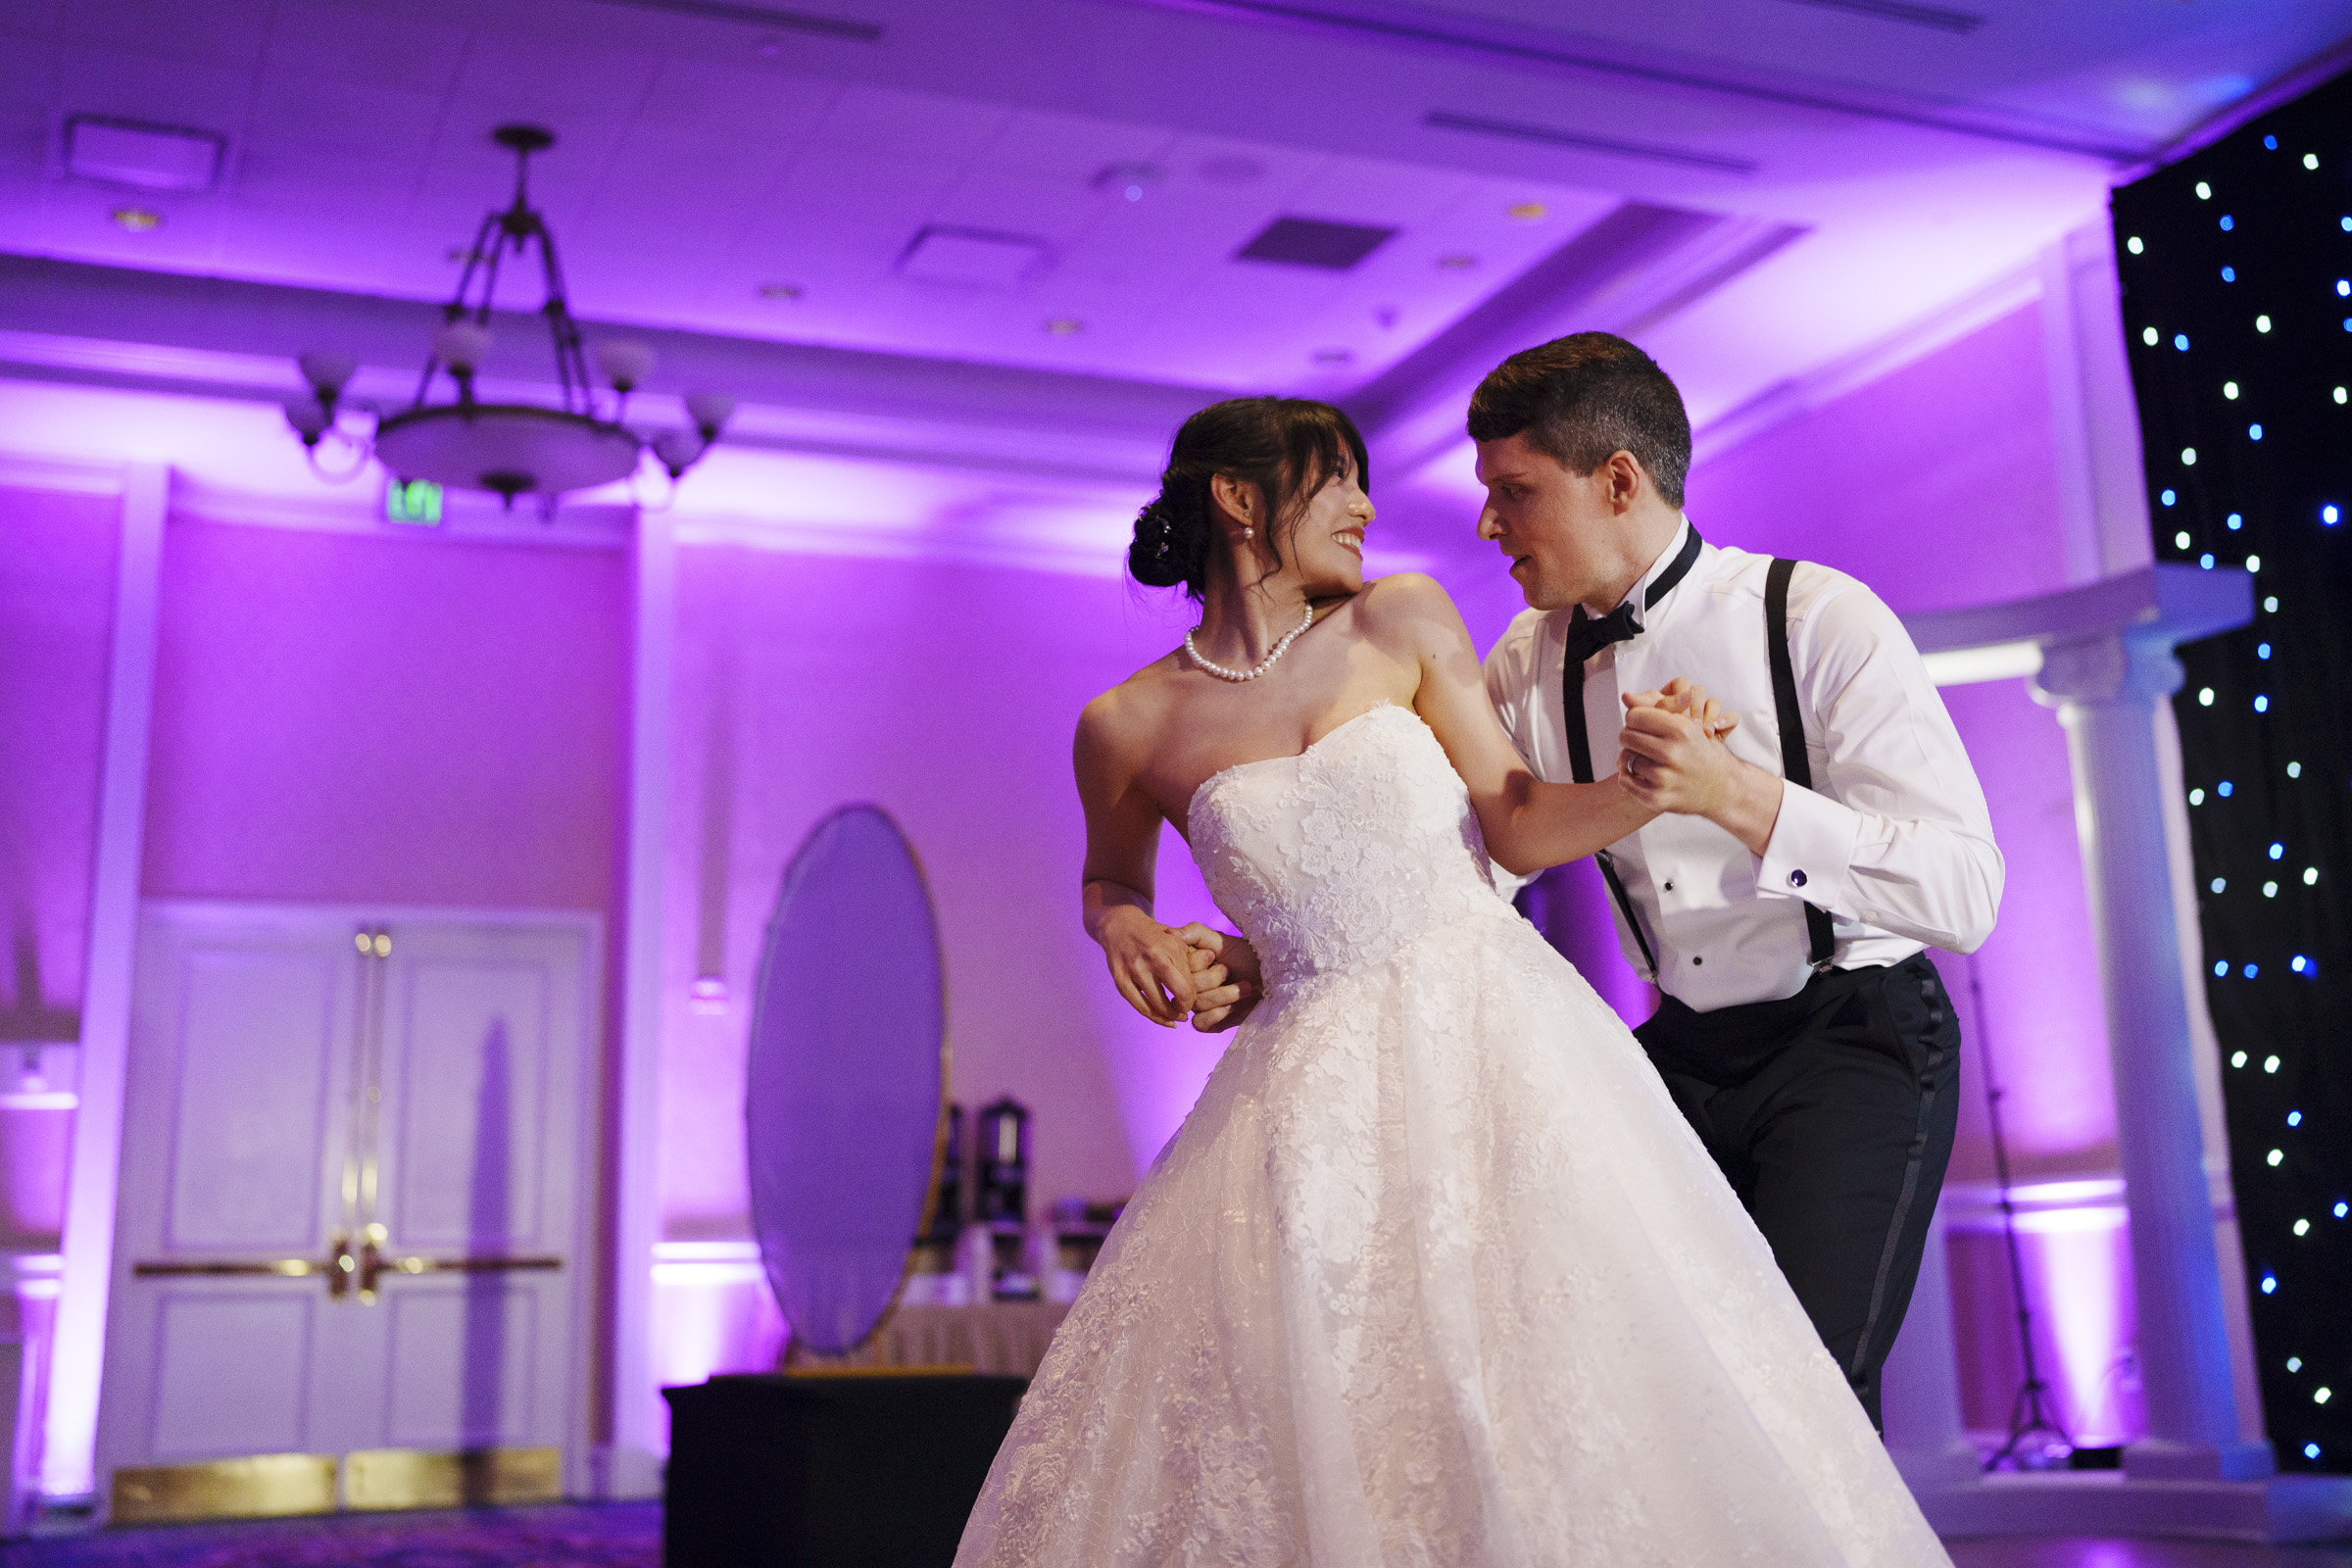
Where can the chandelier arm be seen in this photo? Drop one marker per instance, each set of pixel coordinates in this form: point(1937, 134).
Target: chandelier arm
point(455, 309)
point(572, 360)
point(475, 260)
point(359, 450)
point(498, 251)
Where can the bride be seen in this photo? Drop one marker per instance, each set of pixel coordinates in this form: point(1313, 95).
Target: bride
point(1434, 1273)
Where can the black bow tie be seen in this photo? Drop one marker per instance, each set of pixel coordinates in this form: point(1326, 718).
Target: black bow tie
point(1586, 637)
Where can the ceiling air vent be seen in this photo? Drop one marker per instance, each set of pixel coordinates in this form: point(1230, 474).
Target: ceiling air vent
point(971, 258)
point(1314, 242)
point(127, 152)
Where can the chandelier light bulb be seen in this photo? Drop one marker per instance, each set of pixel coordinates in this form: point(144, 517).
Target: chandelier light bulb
point(677, 450)
point(308, 415)
point(461, 345)
point(626, 363)
point(709, 411)
point(329, 371)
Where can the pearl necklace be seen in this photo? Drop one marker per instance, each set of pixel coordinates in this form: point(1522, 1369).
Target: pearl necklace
point(1265, 665)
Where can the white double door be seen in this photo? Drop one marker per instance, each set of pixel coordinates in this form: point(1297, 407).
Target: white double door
point(356, 1194)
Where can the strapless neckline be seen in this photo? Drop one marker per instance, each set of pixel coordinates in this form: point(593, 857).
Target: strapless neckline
point(1312, 746)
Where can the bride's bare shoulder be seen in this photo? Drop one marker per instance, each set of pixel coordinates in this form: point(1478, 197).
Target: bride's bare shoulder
point(1408, 604)
point(1122, 721)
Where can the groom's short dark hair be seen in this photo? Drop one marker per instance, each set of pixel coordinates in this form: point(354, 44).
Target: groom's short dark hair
point(1584, 396)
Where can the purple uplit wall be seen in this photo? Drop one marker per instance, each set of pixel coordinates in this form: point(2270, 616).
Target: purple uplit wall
point(372, 717)
point(1938, 487)
point(948, 696)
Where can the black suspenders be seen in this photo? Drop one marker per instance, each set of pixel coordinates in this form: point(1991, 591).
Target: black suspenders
point(1580, 768)
point(1794, 767)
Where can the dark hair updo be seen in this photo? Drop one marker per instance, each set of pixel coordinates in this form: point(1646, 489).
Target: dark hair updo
point(1286, 447)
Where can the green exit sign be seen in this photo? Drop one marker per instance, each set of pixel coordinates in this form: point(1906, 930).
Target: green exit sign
point(416, 500)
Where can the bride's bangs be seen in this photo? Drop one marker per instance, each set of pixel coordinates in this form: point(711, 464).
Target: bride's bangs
point(1318, 442)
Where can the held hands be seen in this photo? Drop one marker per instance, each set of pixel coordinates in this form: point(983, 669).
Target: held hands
point(1671, 755)
point(1673, 760)
point(1225, 971)
point(1169, 973)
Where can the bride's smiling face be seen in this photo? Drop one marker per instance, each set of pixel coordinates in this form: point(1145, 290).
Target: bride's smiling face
point(1325, 547)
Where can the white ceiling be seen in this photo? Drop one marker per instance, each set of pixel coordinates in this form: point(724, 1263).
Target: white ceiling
point(1858, 164)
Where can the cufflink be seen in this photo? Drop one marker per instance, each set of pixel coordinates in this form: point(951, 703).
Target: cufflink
point(1796, 879)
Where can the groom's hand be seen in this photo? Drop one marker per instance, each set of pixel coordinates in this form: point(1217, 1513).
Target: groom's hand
point(1225, 975)
point(1670, 761)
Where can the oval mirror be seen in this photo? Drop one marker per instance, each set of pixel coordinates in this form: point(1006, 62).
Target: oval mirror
point(847, 1078)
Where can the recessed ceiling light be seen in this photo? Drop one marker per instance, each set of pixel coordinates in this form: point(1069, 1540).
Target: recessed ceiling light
point(1457, 262)
point(1526, 212)
point(138, 219)
point(1130, 182)
point(779, 291)
point(1334, 355)
point(1064, 325)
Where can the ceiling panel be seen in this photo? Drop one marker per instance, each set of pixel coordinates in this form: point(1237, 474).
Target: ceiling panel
point(699, 160)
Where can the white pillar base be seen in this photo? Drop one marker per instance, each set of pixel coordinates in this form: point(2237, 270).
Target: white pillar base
point(2280, 1510)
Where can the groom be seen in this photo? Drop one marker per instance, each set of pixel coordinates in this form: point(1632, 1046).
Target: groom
point(1783, 903)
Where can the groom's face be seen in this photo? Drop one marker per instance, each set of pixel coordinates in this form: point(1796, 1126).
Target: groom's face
point(1554, 525)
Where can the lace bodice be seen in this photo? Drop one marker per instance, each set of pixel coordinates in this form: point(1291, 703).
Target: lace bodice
point(1341, 855)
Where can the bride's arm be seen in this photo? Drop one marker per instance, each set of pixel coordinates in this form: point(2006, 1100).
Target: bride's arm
point(1528, 824)
point(1151, 964)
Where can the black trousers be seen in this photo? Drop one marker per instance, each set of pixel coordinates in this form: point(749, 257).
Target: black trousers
point(1831, 1115)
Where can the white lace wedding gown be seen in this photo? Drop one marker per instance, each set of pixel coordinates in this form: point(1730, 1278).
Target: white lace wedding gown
point(1434, 1273)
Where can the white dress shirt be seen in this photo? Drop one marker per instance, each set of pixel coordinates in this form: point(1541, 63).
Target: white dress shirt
point(1893, 839)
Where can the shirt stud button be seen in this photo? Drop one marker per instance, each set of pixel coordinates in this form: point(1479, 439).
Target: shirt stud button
point(1796, 879)
point(1696, 958)
point(1669, 887)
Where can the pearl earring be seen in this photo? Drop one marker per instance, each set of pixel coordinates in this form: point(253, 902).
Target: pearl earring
point(1249, 533)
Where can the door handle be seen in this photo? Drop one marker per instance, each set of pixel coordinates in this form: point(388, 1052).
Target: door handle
point(373, 1266)
point(337, 1267)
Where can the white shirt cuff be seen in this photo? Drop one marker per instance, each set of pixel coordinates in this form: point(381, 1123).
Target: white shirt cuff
point(1811, 849)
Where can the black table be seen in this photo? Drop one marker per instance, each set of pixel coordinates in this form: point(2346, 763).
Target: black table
point(841, 1471)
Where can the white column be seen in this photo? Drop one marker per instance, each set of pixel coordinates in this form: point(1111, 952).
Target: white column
point(2106, 688)
point(630, 1466)
point(77, 1348)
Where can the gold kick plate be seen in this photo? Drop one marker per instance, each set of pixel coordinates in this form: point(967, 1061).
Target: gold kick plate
point(263, 1486)
point(418, 1477)
point(272, 1486)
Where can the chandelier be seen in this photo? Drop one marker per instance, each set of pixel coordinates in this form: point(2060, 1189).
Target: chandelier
point(508, 449)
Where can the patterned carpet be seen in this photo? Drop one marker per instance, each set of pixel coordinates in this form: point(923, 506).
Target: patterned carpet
point(561, 1536)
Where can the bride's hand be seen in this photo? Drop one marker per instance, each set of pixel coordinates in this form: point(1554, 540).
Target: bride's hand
point(1151, 964)
point(1685, 696)
point(1225, 972)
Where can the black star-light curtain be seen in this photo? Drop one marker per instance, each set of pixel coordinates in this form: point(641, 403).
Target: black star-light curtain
point(2237, 268)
